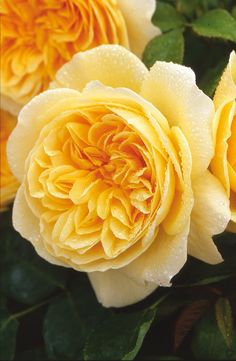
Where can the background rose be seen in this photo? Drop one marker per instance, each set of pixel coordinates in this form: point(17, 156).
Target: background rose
point(115, 179)
point(38, 36)
point(223, 164)
point(8, 183)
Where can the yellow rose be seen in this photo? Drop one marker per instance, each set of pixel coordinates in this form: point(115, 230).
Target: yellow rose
point(223, 165)
point(8, 183)
point(39, 36)
point(113, 165)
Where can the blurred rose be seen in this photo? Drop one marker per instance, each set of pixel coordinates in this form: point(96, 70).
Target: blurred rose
point(8, 183)
point(39, 36)
point(114, 173)
point(223, 164)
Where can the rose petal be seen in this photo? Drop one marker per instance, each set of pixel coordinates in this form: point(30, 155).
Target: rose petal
point(112, 65)
point(31, 120)
point(6, 103)
point(164, 258)
point(210, 216)
point(28, 226)
point(138, 15)
point(172, 89)
point(226, 90)
point(162, 261)
point(231, 227)
point(115, 289)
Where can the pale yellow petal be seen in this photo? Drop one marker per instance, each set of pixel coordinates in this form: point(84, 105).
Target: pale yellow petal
point(31, 120)
point(115, 289)
point(112, 65)
point(172, 89)
point(210, 216)
point(162, 260)
point(27, 225)
point(222, 131)
point(138, 15)
point(226, 90)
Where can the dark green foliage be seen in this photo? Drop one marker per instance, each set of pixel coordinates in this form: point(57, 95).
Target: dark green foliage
point(166, 47)
point(198, 33)
point(8, 332)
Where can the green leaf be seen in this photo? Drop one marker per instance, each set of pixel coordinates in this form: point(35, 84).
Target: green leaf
point(29, 282)
point(167, 18)
point(212, 77)
point(3, 301)
point(70, 320)
point(224, 319)
point(234, 12)
point(24, 276)
point(37, 354)
point(166, 47)
point(216, 24)
point(8, 331)
point(196, 8)
point(90, 310)
point(5, 219)
point(119, 337)
point(208, 342)
point(165, 358)
point(187, 7)
point(63, 332)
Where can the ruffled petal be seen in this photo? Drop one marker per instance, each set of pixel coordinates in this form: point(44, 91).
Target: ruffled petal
point(112, 65)
point(226, 90)
point(172, 89)
point(27, 225)
point(138, 15)
point(30, 122)
point(9, 105)
point(164, 258)
point(115, 289)
point(210, 216)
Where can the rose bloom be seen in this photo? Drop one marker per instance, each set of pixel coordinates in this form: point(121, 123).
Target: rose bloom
point(223, 165)
point(113, 172)
point(8, 183)
point(39, 36)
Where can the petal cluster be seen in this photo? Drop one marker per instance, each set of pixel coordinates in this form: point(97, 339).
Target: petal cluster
point(8, 183)
point(39, 36)
point(113, 181)
point(223, 164)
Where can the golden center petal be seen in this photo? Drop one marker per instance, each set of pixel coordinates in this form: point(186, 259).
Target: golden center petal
point(38, 37)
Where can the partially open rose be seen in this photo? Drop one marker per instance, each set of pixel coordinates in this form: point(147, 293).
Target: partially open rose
point(39, 36)
point(223, 164)
point(114, 173)
point(8, 183)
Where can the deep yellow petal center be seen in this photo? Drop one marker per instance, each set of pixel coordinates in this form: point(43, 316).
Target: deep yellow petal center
point(39, 36)
point(101, 189)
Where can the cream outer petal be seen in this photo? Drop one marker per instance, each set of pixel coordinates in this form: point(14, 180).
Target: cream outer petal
point(210, 216)
point(30, 123)
point(115, 289)
point(138, 15)
point(111, 65)
point(123, 287)
point(172, 89)
point(162, 261)
point(25, 222)
point(226, 90)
